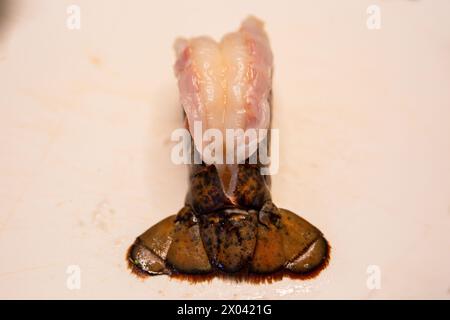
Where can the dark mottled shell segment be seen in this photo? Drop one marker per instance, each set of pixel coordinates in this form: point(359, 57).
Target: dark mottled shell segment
point(229, 238)
point(251, 188)
point(206, 193)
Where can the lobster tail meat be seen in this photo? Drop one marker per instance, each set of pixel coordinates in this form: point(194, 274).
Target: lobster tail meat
point(226, 85)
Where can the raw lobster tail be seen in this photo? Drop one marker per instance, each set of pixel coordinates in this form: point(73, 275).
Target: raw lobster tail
point(229, 224)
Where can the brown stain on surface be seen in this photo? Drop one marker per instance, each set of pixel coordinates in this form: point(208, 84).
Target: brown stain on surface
point(96, 61)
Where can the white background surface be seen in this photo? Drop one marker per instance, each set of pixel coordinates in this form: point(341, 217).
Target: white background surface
point(86, 118)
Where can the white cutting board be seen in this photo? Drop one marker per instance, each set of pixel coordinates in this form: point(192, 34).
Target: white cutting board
point(86, 117)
